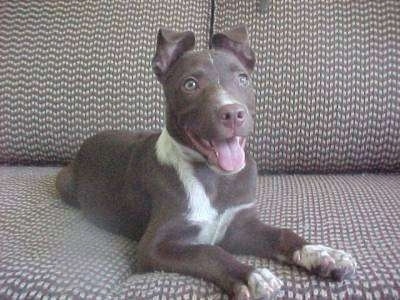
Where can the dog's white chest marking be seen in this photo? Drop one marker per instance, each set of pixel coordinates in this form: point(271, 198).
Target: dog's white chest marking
point(213, 225)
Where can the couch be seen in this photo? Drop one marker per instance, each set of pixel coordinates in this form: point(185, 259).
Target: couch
point(326, 137)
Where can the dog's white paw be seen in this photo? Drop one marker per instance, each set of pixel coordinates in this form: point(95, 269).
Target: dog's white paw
point(263, 284)
point(325, 261)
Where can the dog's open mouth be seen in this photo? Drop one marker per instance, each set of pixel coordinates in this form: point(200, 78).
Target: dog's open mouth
point(227, 154)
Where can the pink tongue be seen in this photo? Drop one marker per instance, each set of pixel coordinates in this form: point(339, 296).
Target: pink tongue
point(230, 154)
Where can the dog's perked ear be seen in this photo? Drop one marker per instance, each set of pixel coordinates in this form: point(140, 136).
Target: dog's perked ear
point(170, 46)
point(237, 42)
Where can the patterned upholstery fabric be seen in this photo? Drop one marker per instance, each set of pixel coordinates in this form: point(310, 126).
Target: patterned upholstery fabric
point(328, 82)
point(49, 249)
point(328, 76)
point(69, 69)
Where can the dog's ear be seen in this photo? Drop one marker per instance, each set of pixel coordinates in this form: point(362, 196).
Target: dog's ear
point(237, 42)
point(170, 46)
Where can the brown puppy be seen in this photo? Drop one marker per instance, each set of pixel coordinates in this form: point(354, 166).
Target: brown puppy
point(188, 192)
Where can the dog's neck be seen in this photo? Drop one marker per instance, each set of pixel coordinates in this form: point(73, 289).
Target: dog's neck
point(172, 153)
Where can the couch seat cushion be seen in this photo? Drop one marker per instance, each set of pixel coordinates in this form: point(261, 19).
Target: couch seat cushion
point(49, 249)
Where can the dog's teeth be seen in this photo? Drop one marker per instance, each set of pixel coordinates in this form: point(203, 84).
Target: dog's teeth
point(216, 152)
point(214, 149)
point(206, 142)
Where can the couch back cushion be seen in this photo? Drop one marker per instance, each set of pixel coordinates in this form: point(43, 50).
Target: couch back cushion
point(328, 82)
point(69, 69)
point(327, 77)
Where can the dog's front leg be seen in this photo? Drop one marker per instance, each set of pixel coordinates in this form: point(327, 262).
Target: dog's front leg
point(213, 263)
point(248, 235)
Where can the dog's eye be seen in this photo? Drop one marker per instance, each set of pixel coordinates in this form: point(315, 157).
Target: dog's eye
point(243, 80)
point(190, 84)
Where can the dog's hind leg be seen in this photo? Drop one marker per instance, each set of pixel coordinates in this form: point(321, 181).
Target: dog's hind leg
point(65, 185)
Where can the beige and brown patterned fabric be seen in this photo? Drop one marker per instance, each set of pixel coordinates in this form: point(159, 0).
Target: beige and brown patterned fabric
point(327, 78)
point(328, 82)
point(49, 249)
point(69, 69)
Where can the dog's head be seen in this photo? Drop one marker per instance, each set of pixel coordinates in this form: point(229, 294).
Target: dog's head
point(210, 99)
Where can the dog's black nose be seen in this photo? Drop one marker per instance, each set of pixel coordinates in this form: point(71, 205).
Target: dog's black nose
point(232, 115)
